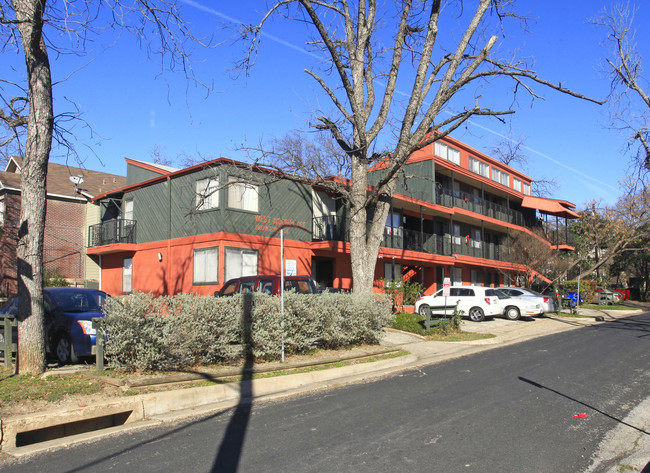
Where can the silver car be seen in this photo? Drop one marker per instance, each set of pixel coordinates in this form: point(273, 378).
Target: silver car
point(548, 303)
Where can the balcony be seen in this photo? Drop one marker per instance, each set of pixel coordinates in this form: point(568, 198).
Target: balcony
point(462, 200)
point(111, 232)
point(328, 228)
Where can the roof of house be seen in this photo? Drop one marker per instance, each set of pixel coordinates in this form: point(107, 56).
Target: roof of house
point(91, 184)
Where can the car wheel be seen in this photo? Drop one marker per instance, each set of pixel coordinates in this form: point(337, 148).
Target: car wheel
point(65, 350)
point(512, 313)
point(476, 314)
point(423, 310)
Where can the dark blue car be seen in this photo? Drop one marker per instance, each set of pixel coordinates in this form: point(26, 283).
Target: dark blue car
point(69, 311)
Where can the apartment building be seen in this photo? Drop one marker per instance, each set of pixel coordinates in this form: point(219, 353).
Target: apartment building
point(190, 230)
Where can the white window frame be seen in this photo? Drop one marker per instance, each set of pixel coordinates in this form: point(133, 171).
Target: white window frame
point(526, 188)
point(206, 193)
point(127, 275)
point(3, 209)
point(516, 184)
point(474, 165)
point(205, 265)
point(484, 169)
point(496, 175)
point(240, 262)
point(242, 195)
point(505, 179)
point(447, 152)
point(128, 210)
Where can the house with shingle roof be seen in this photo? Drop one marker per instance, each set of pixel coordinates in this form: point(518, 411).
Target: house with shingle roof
point(69, 213)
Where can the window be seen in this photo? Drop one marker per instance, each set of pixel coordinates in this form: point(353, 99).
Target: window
point(479, 167)
point(477, 277)
point(500, 177)
point(2, 210)
point(456, 276)
point(516, 184)
point(206, 265)
point(393, 276)
point(207, 194)
point(447, 152)
point(242, 195)
point(127, 276)
point(128, 210)
point(393, 224)
point(456, 234)
point(526, 189)
point(240, 262)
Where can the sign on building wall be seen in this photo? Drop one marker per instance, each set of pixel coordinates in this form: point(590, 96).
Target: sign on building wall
point(290, 267)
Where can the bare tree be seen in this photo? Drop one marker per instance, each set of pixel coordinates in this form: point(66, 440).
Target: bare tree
point(512, 152)
point(535, 254)
point(30, 26)
point(629, 100)
point(604, 232)
point(372, 51)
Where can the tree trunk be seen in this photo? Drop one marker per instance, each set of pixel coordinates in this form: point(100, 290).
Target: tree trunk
point(365, 240)
point(31, 332)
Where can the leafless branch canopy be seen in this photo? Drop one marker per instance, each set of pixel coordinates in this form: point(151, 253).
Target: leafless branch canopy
point(630, 103)
point(365, 72)
point(71, 27)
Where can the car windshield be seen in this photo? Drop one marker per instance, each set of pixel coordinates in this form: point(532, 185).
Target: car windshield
point(77, 301)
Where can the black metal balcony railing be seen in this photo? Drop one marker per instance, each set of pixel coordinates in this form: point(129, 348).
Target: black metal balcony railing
point(462, 200)
point(328, 228)
point(111, 232)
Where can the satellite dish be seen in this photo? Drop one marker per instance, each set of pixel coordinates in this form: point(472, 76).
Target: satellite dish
point(77, 179)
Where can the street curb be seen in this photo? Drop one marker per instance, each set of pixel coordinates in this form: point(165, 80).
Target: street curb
point(162, 406)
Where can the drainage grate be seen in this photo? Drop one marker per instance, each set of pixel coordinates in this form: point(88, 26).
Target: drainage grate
point(31, 437)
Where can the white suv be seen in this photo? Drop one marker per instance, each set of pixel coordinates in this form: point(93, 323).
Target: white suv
point(477, 302)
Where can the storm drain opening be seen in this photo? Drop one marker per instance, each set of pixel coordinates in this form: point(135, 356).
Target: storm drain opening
point(31, 437)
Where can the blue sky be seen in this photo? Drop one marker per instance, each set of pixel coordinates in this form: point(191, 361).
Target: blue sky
point(133, 108)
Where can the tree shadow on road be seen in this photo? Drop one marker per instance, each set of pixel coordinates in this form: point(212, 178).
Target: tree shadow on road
point(232, 445)
point(541, 386)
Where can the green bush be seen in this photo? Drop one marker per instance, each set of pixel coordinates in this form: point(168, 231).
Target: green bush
point(147, 333)
point(53, 278)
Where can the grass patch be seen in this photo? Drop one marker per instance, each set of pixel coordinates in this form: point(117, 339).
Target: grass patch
point(459, 336)
point(414, 323)
point(574, 316)
point(16, 388)
point(606, 307)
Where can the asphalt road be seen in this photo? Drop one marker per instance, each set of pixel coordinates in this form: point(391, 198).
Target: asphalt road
point(510, 409)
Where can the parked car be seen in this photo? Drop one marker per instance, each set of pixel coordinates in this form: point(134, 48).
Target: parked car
point(621, 289)
point(477, 302)
point(69, 334)
point(269, 284)
point(603, 297)
point(546, 301)
point(514, 307)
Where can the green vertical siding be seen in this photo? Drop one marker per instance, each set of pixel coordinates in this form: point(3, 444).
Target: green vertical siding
point(135, 174)
point(416, 181)
point(166, 209)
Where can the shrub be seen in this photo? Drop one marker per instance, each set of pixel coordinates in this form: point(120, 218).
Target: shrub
point(587, 288)
point(54, 278)
point(147, 333)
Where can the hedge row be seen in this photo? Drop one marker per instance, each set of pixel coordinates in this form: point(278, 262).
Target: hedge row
point(146, 333)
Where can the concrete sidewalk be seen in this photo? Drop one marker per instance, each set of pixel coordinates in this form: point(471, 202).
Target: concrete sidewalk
point(60, 428)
